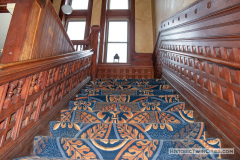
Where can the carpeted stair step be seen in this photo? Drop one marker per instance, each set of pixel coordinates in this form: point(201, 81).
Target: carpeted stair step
point(126, 106)
point(128, 98)
point(128, 87)
point(93, 92)
point(59, 147)
point(127, 116)
point(128, 131)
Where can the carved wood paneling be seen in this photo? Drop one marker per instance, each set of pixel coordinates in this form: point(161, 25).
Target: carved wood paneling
point(29, 90)
point(124, 71)
point(197, 51)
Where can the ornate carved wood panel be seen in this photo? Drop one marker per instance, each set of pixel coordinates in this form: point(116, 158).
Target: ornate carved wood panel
point(198, 52)
point(29, 90)
point(124, 71)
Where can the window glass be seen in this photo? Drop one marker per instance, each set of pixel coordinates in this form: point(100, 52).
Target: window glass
point(120, 49)
point(118, 4)
point(5, 19)
point(118, 31)
point(80, 4)
point(76, 30)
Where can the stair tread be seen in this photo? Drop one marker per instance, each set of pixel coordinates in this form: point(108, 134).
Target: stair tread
point(127, 116)
point(114, 148)
point(128, 131)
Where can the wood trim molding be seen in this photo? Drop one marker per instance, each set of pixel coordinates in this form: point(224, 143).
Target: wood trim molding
point(3, 9)
point(219, 61)
point(118, 13)
point(78, 14)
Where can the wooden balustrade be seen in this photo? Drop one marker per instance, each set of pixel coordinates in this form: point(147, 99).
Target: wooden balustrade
point(80, 45)
point(92, 42)
point(197, 51)
point(32, 90)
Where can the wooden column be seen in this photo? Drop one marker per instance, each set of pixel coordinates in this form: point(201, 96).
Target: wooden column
point(95, 35)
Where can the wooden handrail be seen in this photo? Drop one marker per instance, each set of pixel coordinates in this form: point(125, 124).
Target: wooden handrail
point(42, 60)
point(17, 70)
point(81, 42)
point(227, 63)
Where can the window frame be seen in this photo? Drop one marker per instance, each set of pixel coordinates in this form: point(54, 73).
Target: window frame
point(117, 15)
point(128, 37)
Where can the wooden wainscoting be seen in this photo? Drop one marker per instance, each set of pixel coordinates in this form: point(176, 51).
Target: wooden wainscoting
point(32, 90)
point(35, 31)
point(124, 71)
point(198, 52)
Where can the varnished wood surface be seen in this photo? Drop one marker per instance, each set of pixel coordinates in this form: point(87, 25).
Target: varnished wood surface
point(3, 9)
point(39, 33)
point(197, 51)
point(32, 90)
point(124, 71)
point(218, 61)
point(39, 128)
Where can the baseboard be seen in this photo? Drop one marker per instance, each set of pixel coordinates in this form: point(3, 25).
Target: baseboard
point(25, 140)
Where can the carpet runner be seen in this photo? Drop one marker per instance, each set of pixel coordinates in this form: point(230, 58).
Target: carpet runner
point(124, 119)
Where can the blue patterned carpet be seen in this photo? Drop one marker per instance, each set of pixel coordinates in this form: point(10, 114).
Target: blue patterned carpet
point(132, 119)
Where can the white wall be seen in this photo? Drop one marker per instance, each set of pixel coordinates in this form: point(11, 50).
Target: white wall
point(56, 5)
point(5, 19)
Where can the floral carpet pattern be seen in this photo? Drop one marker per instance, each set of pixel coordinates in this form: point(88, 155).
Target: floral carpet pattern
point(125, 119)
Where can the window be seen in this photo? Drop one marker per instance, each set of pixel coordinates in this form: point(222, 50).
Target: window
point(119, 4)
point(5, 19)
point(117, 41)
point(76, 30)
point(80, 4)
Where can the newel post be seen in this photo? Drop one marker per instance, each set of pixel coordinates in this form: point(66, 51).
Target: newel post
point(95, 38)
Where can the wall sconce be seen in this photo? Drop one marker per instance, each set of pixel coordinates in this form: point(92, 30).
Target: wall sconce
point(116, 58)
point(67, 9)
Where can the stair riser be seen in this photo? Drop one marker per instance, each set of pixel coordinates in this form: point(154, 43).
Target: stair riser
point(128, 87)
point(93, 92)
point(127, 117)
point(127, 131)
point(121, 98)
point(126, 83)
point(124, 106)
